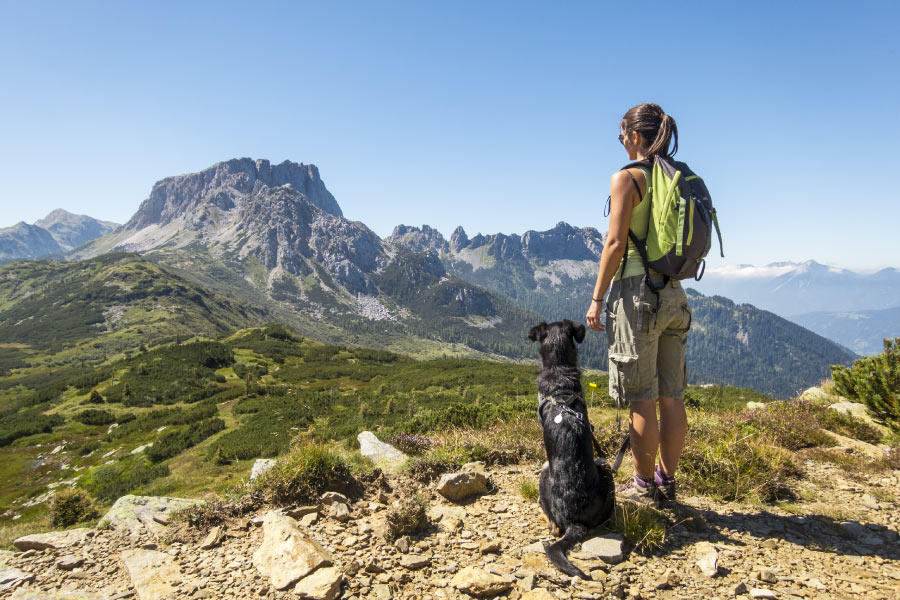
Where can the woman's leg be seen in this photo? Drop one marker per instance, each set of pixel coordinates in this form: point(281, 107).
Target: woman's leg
point(672, 431)
point(644, 437)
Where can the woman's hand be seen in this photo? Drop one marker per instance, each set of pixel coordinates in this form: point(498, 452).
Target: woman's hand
point(593, 316)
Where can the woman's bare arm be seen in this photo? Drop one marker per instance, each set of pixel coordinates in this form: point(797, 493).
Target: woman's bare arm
point(622, 201)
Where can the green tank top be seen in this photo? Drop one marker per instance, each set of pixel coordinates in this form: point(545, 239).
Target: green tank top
point(640, 221)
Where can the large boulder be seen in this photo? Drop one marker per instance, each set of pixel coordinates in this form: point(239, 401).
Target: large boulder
point(139, 515)
point(260, 466)
point(54, 540)
point(287, 553)
point(463, 484)
point(154, 574)
point(383, 455)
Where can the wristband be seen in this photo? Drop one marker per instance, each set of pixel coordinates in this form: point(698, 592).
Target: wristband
point(595, 300)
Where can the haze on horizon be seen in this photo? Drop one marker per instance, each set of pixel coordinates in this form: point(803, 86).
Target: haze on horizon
point(499, 118)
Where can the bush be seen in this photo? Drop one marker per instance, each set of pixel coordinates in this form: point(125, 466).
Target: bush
point(409, 516)
point(95, 398)
point(27, 423)
point(94, 416)
point(109, 482)
point(171, 443)
point(723, 461)
point(70, 506)
point(528, 489)
point(791, 424)
point(300, 476)
point(874, 380)
point(411, 444)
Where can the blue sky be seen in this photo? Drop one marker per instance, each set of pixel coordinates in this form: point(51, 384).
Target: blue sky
point(497, 116)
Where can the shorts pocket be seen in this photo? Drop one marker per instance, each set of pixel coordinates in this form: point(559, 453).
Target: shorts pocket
point(623, 358)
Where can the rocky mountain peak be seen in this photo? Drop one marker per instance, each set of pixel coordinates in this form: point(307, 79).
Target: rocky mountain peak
point(459, 239)
point(228, 184)
point(24, 241)
point(418, 239)
point(70, 230)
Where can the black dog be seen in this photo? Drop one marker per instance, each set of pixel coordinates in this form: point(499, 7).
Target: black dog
point(576, 493)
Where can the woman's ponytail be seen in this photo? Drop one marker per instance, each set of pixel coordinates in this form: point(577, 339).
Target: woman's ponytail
point(656, 127)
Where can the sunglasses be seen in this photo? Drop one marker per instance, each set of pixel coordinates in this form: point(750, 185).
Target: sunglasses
point(622, 139)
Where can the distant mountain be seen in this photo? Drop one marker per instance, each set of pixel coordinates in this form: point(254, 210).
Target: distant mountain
point(274, 237)
point(787, 288)
point(55, 234)
point(862, 331)
point(23, 242)
point(71, 231)
point(553, 272)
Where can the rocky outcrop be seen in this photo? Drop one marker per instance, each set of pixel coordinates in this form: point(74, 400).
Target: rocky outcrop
point(142, 515)
point(55, 540)
point(464, 484)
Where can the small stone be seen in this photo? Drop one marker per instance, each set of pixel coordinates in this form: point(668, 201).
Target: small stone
point(381, 591)
point(479, 583)
point(340, 511)
point(213, 539)
point(414, 562)
point(739, 589)
point(69, 562)
point(261, 466)
point(761, 593)
point(308, 520)
point(402, 544)
point(538, 594)
point(708, 559)
point(322, 584)
point(768, 575)
point(329, 498)
point(491, 547)
point(607, 548)
point(536, 548)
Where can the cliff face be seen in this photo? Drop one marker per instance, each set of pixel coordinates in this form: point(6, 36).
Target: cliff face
point(228, 184)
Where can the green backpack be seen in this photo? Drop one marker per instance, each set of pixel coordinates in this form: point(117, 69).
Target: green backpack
point(682, 217)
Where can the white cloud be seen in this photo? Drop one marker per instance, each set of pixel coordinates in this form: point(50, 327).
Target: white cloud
point(751, 272)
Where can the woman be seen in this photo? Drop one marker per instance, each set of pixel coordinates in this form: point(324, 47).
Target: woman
point(646, 333)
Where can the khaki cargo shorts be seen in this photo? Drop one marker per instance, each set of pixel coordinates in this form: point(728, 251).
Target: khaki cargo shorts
point(646, 344)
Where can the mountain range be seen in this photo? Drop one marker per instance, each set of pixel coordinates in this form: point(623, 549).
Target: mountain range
point(55, 234)
point(271, 238)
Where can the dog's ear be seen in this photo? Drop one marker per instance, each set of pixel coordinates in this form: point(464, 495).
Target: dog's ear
point(575, 330)
point(538, 332)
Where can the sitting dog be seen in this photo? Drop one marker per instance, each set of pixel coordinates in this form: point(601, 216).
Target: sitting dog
point(576, 494)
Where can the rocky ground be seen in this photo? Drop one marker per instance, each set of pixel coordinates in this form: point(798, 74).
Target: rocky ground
point(839, 542)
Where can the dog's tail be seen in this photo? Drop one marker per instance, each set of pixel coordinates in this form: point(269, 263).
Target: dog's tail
point(556, 551)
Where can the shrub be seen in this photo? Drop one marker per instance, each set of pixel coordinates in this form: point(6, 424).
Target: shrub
point(723, 461)
point(171, 443)
point(425, 469)
point(528, 489)
point(642, 527)
point(791, 424)
point(109, 482)
point(411, 444)
point(70, 506)
point(875, 380)
point(95, 398)
point(408, 516)
point(303, 474)
point(94, 416)
point(27, 423)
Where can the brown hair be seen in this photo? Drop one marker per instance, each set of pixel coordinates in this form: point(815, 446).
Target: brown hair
point(657, 128)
